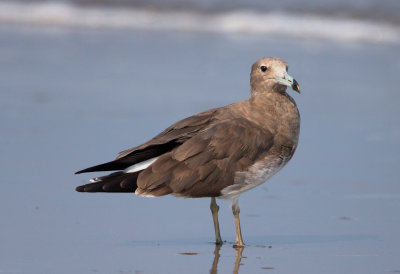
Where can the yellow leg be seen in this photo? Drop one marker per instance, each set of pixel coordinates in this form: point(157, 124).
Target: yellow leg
point(239, 240)
point(214, 210)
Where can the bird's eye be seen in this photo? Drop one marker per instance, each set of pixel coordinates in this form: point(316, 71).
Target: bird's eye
point(263, 68)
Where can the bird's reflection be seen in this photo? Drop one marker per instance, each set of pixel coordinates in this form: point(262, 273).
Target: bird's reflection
point(216, 259)
point(239, 251)
point(214, 267)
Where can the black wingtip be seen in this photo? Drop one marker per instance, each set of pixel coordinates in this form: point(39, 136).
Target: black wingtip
point(80, 188)
point(90, 169)
point(109, 166)
point(114, 182)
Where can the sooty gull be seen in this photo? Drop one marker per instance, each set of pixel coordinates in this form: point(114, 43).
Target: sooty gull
point(218, 153)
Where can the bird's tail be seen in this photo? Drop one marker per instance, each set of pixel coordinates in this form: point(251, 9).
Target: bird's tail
point(115, 182)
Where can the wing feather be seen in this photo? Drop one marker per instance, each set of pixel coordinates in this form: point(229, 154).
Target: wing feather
point(206, 163)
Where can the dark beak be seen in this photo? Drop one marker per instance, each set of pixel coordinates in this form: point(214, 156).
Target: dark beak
point(295, 86)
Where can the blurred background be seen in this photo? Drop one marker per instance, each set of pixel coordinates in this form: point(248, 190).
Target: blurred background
point(81, 80)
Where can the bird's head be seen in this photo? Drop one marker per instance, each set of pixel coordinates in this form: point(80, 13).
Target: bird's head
point(271, 74)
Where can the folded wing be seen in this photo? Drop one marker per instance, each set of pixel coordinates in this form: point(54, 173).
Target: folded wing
point(206, 163)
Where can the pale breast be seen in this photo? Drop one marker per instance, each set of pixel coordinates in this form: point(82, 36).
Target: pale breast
point(256, 175)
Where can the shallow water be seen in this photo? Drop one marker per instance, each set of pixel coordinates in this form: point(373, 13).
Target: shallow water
point(72, 98)
point(374, 21)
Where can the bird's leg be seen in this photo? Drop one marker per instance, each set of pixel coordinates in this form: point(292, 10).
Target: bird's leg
point(236, 210)
point(214, 210)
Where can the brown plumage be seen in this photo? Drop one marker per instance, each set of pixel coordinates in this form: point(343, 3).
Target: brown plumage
point(217, 153)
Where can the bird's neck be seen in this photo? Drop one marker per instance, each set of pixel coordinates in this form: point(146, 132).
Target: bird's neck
point(276, 94)
point(262, 88)
point(279, 107)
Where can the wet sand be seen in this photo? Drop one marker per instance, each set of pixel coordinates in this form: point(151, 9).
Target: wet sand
point(72, 98)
